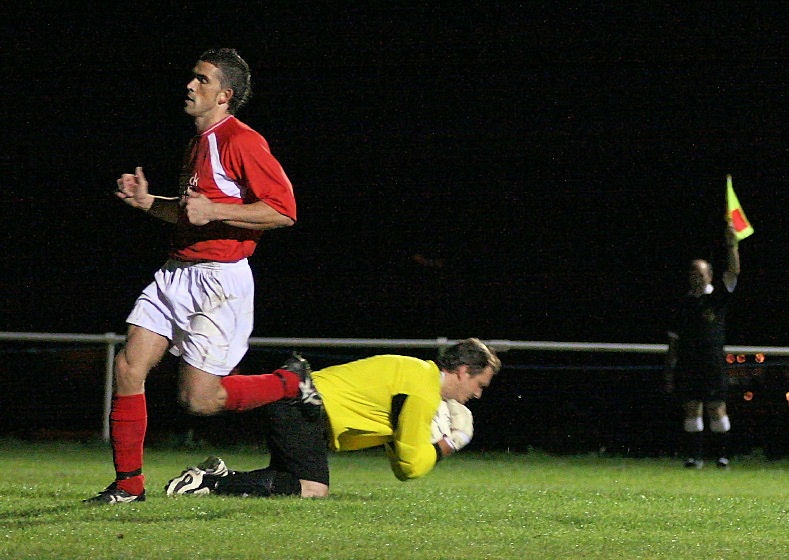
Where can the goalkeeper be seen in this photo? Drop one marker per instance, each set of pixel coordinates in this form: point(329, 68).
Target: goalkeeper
point(387, 400)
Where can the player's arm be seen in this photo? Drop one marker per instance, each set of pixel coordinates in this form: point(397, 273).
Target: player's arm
point(732, 259)
point(411, 453)
point(258, 215)
point(133, 190)
point(251, 161)
point(670, 362)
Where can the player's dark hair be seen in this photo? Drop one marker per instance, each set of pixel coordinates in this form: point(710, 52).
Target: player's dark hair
point(470, 352)
point(235, 75)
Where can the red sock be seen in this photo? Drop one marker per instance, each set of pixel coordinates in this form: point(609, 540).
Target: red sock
point(128, 420)
point(245, 392)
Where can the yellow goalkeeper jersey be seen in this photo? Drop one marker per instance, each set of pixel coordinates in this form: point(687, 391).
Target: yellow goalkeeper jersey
point(384, 400)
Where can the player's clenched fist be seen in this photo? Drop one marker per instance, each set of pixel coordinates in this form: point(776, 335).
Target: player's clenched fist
point(133, 190)
point(198, 208)
point(454, 423)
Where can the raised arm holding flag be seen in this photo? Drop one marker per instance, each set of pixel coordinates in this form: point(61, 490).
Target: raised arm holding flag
point(734, 213)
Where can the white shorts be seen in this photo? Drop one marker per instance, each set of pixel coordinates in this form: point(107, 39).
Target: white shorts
point(205, 309)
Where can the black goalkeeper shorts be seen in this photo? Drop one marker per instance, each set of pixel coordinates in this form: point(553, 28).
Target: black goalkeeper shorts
point(297, 444)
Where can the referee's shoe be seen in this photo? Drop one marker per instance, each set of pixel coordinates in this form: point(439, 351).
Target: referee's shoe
point(309, 398)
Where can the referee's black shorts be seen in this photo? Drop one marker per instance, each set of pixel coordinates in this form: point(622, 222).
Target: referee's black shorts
point(297, 444)
point(702, 380)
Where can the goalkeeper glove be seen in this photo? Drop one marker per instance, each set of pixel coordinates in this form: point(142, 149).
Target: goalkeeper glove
point(440, 426)
point(461, 424)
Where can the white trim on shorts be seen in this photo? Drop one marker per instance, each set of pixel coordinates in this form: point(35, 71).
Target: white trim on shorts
point(205, 310)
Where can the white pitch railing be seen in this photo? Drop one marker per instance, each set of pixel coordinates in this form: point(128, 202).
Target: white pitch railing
point(111, 340)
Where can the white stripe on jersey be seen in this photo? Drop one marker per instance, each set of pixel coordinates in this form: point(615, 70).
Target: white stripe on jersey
point(225, 184)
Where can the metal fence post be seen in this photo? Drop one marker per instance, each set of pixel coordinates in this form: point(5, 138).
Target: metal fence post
point(109, 365)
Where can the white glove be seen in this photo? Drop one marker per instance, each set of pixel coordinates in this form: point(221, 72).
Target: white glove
point(441, 425)
point(461, 424)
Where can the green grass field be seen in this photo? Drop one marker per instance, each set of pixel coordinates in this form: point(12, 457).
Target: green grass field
point(472, 506)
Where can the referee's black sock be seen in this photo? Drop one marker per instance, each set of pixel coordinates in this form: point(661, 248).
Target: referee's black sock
point(694, 445)
point(720, 444)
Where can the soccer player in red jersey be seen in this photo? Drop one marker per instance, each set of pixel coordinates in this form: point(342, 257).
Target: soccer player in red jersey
point(200, 303)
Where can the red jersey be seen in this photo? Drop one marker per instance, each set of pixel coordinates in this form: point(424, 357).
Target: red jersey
point(232, 164)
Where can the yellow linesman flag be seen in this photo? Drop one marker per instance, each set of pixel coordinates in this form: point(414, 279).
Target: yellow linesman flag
point(735, 214)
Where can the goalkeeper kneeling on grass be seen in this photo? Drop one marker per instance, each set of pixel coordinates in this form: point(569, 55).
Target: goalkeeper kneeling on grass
point(414, 408)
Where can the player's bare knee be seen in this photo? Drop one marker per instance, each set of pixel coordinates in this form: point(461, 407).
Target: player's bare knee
point(716, 409)
point(128, 380)
point(693, 409)
point(719, 420)
point(312, 489)
point(198, 405)
point(200, 393)
point(315, 495)
point(122, 366)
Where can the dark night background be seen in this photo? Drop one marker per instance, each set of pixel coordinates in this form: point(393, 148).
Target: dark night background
point(516, 171)
point(522, 170)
